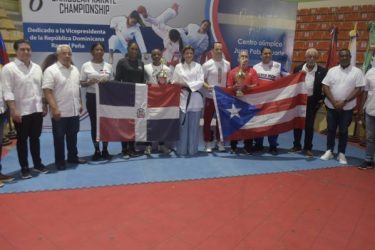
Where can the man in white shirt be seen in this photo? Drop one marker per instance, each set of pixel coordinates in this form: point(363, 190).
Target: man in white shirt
point(268, 70)
point(341, 86)
point(61, 86)
point(215, 74)
point(23, 93)
point(157, 73)
point(369, 106)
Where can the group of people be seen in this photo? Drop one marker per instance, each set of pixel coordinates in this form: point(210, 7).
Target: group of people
point(30, 91)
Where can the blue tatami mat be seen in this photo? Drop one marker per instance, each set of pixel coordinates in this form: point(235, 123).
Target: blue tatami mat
point(161, 168)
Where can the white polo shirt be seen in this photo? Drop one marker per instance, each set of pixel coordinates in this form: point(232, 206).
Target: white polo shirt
point(64, 82)
point(215, 74)
point(23, 84)
point(99, 71)
point(370, 88)
point(342, 82)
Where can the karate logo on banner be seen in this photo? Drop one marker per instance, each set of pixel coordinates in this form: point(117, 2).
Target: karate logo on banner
point(137, 112)
point(270, 108)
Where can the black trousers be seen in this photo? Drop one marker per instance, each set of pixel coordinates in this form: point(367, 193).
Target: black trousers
point(311, 108)
point(29, 130)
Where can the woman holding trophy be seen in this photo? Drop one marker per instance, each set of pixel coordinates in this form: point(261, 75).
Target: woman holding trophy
point(157, 73)
point(240, 78)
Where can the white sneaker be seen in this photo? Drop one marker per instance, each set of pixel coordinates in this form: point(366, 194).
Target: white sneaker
point(327, 156)
point(208, 147)
point(220, 146)
point(164, 149)
point(148, 150)
point(342, 159)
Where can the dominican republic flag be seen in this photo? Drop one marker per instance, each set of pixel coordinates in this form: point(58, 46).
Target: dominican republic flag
point(137, 112)
point(270, 108)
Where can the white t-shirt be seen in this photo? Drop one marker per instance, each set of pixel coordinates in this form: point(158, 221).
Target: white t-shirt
point(152, 71)
point(270, 71)
point(22, 84)
point(370, 88)
point(215, 74)
point(64, 82)
point(99, 71)
point(342, 82)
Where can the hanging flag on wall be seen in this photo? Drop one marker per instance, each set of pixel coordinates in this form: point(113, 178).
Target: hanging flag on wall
point(268, 109)
point(353, 34)
point(137, 112)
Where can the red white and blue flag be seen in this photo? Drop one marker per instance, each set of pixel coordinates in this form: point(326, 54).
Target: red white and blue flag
point(270, 108)
point(4, 59)
point(137, 112)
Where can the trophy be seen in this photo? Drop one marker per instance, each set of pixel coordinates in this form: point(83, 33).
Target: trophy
point(162, 76)
point(240, 76)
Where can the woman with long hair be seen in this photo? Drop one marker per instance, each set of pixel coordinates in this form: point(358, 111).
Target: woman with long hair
point(95, 72)
point(130, 69)
point(189, 75)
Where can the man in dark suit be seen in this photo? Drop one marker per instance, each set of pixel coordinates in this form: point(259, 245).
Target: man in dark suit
point(313, 80)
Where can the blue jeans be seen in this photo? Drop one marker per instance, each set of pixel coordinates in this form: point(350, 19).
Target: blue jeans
point(342, 120)
point(370, 134)
point(65, 128)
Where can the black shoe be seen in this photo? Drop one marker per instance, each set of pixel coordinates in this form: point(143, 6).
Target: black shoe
point(106, 155)
point(258, 148)
point(96, 156)
point(366, 165)
point(295, 149)
point(77, 161)
point(60, 165)
point(6, 178)
point(25, 173)
point(41, 169)
point(133, 153)
point(248, 151)
point(234, 150)
point(273, 150)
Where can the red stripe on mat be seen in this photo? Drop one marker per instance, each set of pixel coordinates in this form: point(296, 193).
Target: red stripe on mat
point(319, 209)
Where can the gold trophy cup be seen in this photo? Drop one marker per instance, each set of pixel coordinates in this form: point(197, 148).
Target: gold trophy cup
point(240, 76)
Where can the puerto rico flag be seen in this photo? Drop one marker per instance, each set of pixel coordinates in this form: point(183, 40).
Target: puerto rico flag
point(137, 112)
point(270, 108)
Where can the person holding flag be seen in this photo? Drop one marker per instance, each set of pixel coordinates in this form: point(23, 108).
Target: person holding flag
point(241, 78)
point(215, 74)
point(268, 70)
